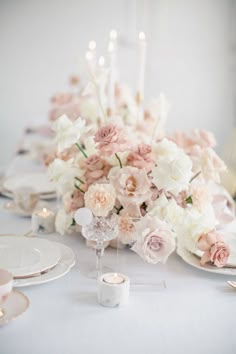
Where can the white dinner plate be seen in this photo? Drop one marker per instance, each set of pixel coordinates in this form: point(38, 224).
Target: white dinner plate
point(39, 182)
point(192, 260)
point(24, 256)
point(66, 262)
point(16, 304)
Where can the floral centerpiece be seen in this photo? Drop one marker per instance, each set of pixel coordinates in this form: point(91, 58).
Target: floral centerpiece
point(162, 191)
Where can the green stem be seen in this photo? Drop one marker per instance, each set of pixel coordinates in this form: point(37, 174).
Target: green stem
point(77, 187)
point(80, 180)
point(195, 176)
point(82, 150)
point(120, 163)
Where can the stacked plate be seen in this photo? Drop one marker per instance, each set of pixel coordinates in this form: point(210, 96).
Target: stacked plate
point(33, 260)
point(193, 258)
point(39, 182)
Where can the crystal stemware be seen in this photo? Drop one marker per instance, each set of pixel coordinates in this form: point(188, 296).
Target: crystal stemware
point(100, 230)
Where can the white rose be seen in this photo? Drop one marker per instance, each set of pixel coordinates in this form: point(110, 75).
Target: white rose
point(63, 221)
point(173, 175)
point(68, 132)
point(194, 224)
point(166, 149)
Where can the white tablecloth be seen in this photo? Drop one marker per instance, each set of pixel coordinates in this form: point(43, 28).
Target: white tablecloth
point(194, 314)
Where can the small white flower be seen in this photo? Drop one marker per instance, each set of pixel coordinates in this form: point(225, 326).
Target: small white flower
point(63, 221)
point(68, 132)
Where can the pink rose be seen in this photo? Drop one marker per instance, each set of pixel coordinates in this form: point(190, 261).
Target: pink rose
point(142, 157)
point(100, 199)
point(215, 249)
point(95, 168)
point(154, 240)
point(200, 138)
point(61, 98)
point(132, 186)
point(74, 201)
point(70, 106)
point(110, 139)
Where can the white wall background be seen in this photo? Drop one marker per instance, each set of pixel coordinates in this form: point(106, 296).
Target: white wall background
point(191, 56)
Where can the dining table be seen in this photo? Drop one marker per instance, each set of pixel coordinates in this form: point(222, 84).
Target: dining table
point(172, 308)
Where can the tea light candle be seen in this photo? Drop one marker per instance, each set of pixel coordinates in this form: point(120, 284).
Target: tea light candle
point(113, 289)
point(43, 221)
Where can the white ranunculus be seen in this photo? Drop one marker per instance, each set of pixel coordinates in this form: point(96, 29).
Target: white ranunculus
point(174, 174)
point(63, 221)
point(68, 132)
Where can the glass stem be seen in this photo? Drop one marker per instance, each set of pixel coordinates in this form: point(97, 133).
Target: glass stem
point(99, 254)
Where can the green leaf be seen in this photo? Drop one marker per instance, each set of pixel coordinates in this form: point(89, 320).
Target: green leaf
point(189, 200)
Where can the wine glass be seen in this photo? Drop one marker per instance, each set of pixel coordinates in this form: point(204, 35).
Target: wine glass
point(100, 230)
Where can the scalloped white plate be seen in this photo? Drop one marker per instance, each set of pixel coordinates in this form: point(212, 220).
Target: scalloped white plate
point(24, 256)
point(66, 262)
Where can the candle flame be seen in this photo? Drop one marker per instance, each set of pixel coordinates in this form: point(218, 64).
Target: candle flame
point(115, 275)
point(113, 34)
point(92, 45)
point(44, 210)
point(142, 36)
point(101, 61)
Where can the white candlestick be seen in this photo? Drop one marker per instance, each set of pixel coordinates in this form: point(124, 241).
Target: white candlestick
point(111, 87)
point(92, 48)
point(43, 221)
point(113, 289)
point(142, 64)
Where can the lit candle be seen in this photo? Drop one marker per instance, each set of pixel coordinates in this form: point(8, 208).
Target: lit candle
point(43, 221)
point(113, 278)
point(142, 64)
point(113, 289)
